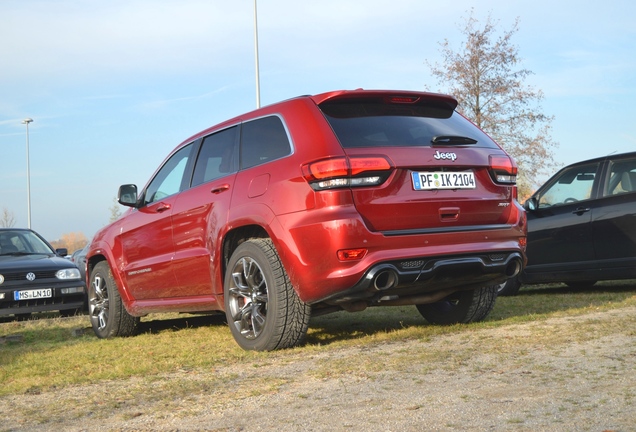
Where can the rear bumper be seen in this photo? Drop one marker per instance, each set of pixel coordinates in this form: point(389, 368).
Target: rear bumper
point(405, 262)
point(407, 279)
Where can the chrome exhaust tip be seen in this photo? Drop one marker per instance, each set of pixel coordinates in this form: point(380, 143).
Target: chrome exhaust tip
point(513, 268)
point(385, 279)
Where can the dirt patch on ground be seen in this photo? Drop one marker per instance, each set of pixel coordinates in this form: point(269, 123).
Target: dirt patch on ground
point(524, 377)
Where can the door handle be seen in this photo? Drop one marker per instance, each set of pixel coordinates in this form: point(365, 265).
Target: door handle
point(220, 189)
point(579, 211)
point(162, 207)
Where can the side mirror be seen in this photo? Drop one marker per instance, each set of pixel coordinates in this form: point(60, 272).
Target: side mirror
point(531, 204)
point(127, 195)
point(61, 252)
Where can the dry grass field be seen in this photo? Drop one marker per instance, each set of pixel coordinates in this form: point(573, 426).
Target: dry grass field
point(549, 359)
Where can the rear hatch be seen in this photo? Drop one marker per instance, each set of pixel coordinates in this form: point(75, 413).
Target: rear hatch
point(414, 164)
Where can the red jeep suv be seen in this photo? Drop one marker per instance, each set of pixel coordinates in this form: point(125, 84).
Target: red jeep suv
point(317, 204)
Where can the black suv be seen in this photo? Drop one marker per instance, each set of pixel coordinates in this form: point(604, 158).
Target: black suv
point(582, 225)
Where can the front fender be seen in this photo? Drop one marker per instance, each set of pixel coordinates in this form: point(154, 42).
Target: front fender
point(108, 249)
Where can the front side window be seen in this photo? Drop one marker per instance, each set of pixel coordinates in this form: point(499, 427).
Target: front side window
point(622, 178)
point(263, 140)
point(169, 180)
point(573, 185)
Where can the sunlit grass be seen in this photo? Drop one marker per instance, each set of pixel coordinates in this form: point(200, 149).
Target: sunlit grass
point(54, 352)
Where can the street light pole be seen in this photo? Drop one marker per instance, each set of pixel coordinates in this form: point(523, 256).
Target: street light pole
point(258, 84)
point(26, 122)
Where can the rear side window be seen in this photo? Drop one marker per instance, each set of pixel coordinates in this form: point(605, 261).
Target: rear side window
point(263, 140)
point(376, 124)
point(622, 178)
point(217, 156)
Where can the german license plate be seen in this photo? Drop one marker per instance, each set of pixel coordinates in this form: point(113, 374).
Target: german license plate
point(33, 294)
point(443, 180)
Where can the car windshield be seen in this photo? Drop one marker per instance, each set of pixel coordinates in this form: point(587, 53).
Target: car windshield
point(22, 242)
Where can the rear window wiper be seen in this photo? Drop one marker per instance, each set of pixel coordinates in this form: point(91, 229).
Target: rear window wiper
point(452, 139)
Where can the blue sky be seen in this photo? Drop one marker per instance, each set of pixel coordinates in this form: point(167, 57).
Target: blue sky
point(113, 86)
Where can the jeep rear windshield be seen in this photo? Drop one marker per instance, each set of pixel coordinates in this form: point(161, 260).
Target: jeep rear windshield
point(378, 124)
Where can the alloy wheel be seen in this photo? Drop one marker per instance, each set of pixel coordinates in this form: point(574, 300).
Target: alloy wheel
point(248, 298)
point(99, 303)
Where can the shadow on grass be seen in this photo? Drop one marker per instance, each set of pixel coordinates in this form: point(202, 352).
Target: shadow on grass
point(338, 326)
point(531, 301)
point(534, 300)
point(628, 286)
point(43, 329)
point(182, 322)
point(27, 317)
point(152, 324)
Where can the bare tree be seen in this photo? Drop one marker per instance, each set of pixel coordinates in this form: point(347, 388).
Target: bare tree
point(484, 78)
point(115, 211)
point(7, 220)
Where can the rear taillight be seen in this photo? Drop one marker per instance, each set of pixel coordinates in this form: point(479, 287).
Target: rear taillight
point(338, 172)
point(503, 169)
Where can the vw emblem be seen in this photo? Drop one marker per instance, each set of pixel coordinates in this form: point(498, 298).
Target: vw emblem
point(31, 276)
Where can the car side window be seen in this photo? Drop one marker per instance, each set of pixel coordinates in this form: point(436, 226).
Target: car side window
point(622, 178)
point(169, 180)
point(216, 157)
point(263, 140)
point(573, 185)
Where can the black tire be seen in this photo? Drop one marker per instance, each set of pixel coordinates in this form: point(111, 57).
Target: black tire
point(581, 284)
point(509, 288)
point(461, 307)
point(107, 313)
point(262, 309)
